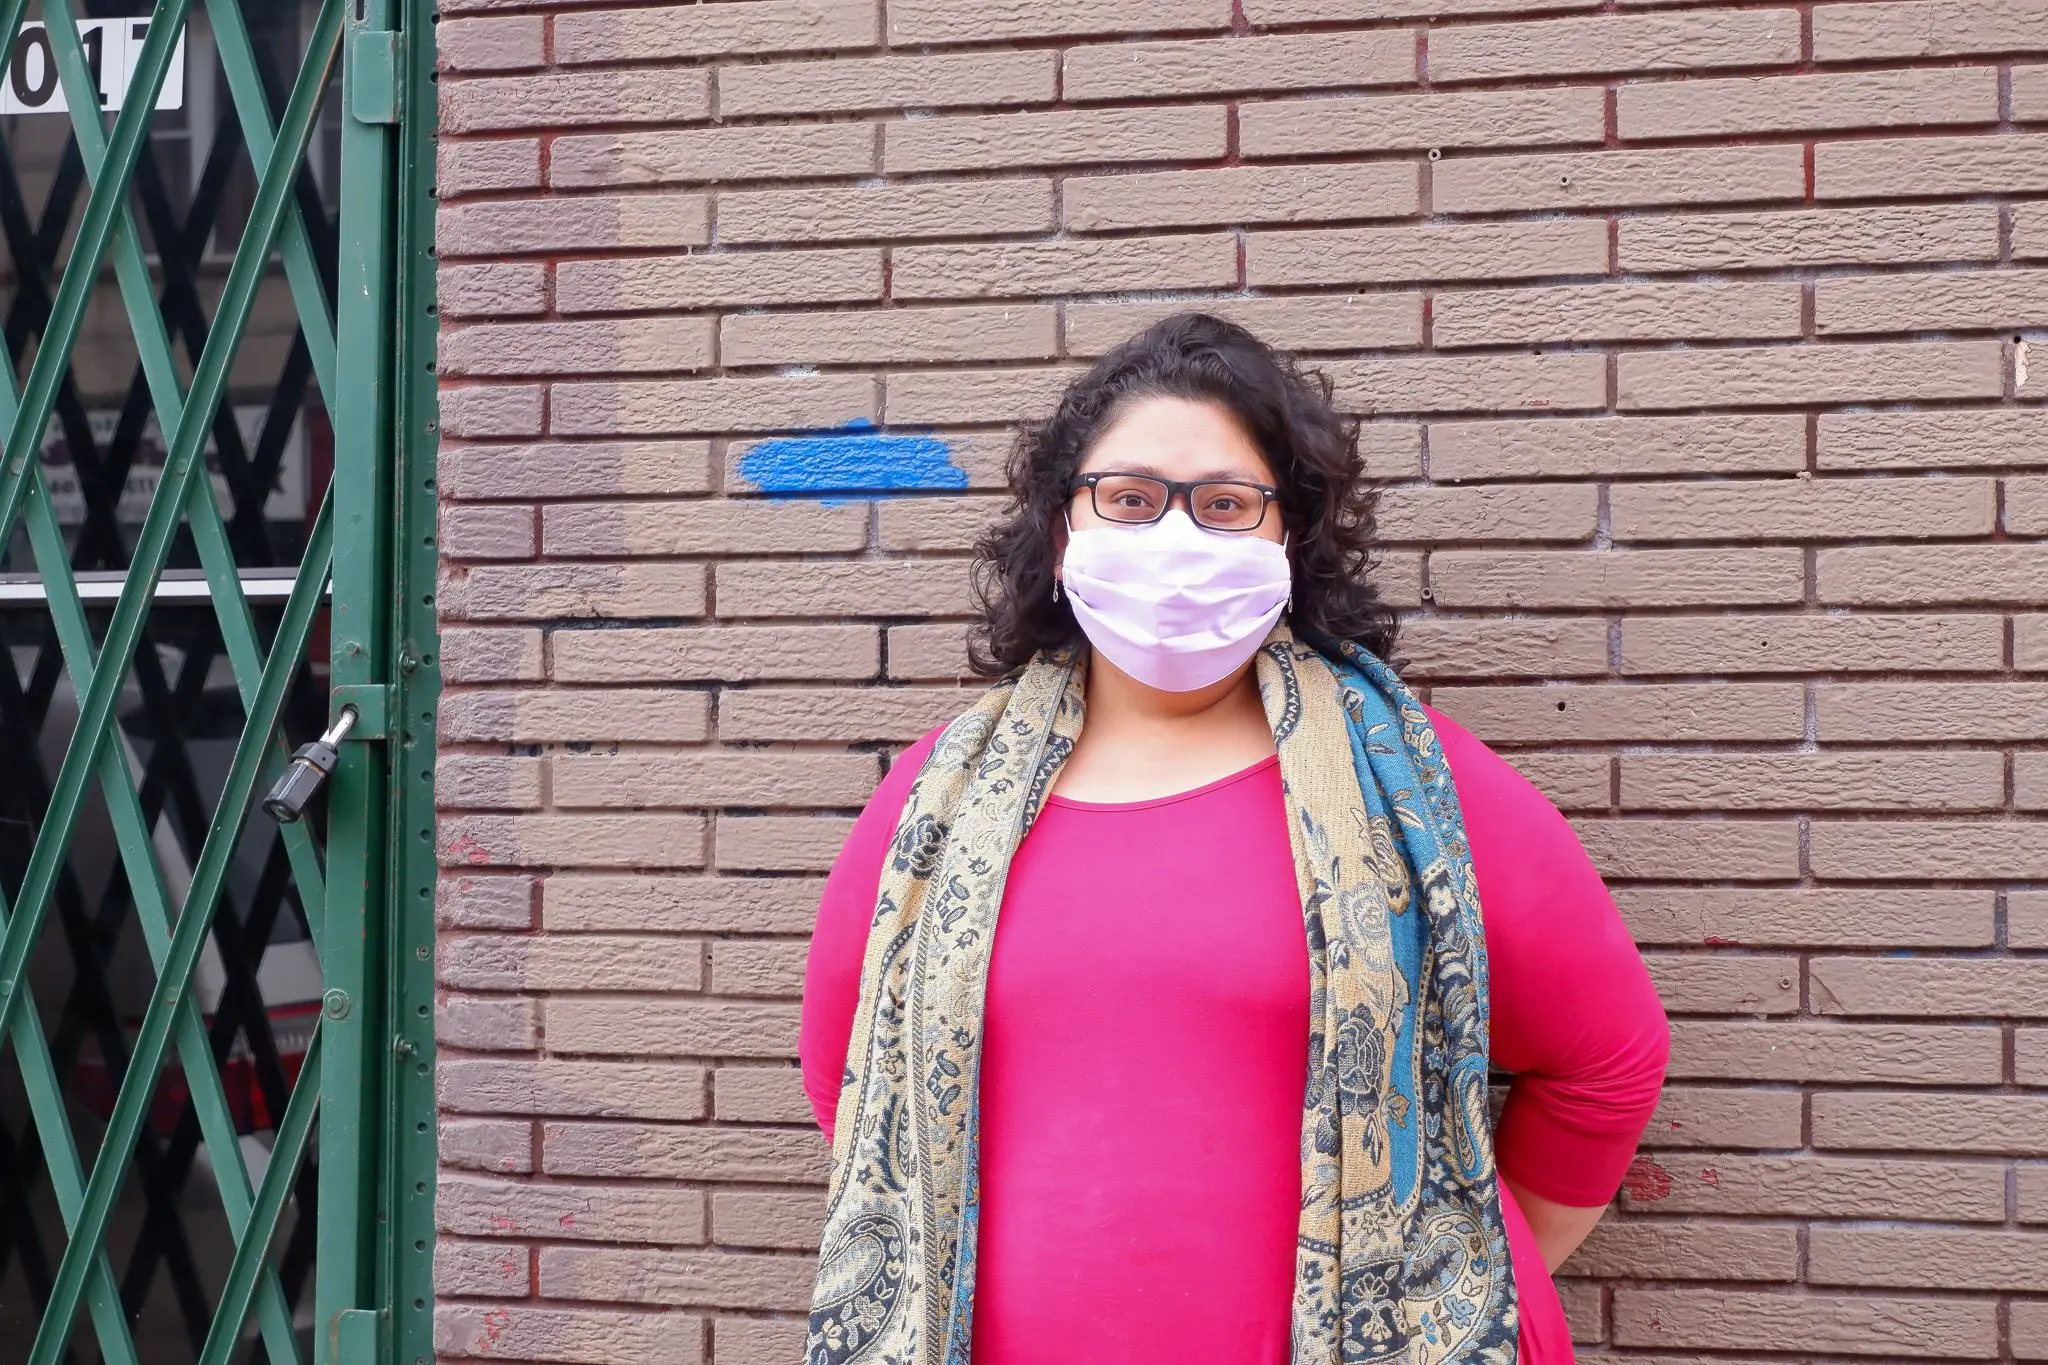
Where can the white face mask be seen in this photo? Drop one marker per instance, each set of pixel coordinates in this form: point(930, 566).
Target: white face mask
point(1176, 607)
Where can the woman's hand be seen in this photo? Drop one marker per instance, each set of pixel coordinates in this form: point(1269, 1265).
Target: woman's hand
point(1559, 1228)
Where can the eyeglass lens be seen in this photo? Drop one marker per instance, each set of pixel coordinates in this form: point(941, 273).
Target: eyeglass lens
point(1218, 506)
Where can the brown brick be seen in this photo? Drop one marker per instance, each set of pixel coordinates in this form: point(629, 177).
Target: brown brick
point(753, 967)
point(2026, 920)
point(510, 227)
point(1928, 28)
point(1276, 12)
point(722, 526)
point(1947, 302)
point(927, 653)
point(583, 1213)
point(689, 406)
point(942, 523)
point(578, 1089)
point(1113, 71)
point(996, 21)
point(710, 1279)
point(2026, 506)
point(572, 841)
point(1640, 1249)
point(1875, 372)
point(1611, 578)
point(824, 213)
point(1930, 1258)
point(890, 336)
point(1466, 383)
point(1932, 711)
point(1066, 137)
point(2008, 163)
point(759, 1341)
point(1501, 512)
point(2030, 1330)
point(1825, 1187)
point(934, 587)
point(1585, 446)
point(1567, 180)
point(2030, 93)
point(767, 1219)
point(574, 99)
point(580, 1335)
point(702, 156)
point(1996, 1125)
point(1959, 438)
point(669, 1152)
point(538, 592)
point(1837, 1325)
point(696, 30)
point(1430, 251)
point(1718, 983)
point(1615, 312)
point(712, 905)
point(1585, 1310)
point(1315, 322)
point(1892, 780)
point(1066, 266)
point(1885, 234)
point(1544, 647)
point(1681, 850)
point(1832, 917)
point(1915, 575)
point(609, 346)
point(2030, 1068)
point(480, 167)
point(1417, 122)
point(480, 411)
point(500, 290)
point(780, 843)
point(1570, 781)
point(495, 1146)
point(2030, 643)
point(584, 469)
point(485, 903)
point(471, 654)
point(1713, 1116)
point(560, 715)
point(486, 1023)
point(1647, 42)
point(1908, 850)
point(1788, 104)
point(922, 82)
point(1669, 713)
point(523, 962)
point(480, 1270)
point(487, 782)
point(760, 1094)
point(666, 1026)
point(1804, 508)
point(727, 653)
point(1906, 987)
point(1242, 194)
point(718, 279)
point(712, 778)
point(2029, 232)
point(503, 532)
point(1907, 1054)
point(1811, 644)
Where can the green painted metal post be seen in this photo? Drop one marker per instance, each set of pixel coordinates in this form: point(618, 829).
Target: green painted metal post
point(357, 1046)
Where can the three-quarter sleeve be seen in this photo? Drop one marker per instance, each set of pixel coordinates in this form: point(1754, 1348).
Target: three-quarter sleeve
point(1575, 1017)
point(839, 943)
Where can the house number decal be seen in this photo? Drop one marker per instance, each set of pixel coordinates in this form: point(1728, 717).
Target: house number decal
point(111, 47)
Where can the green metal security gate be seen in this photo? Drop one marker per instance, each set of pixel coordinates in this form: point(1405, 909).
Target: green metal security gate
point(216, 540)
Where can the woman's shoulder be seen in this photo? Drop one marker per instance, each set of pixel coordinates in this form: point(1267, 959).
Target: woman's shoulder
point(1494, 795)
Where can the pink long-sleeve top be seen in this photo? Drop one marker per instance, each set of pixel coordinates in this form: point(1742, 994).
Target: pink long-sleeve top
point(1146, 1044)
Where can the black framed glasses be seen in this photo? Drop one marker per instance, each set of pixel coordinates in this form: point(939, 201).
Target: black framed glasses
point(1141, 499)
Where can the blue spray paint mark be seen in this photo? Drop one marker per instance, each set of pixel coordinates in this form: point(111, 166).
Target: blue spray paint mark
point(853, 459)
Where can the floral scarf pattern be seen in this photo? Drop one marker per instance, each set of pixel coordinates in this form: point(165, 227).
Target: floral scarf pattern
point(1402, 1253)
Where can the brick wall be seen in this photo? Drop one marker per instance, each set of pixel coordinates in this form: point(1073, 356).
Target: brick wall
point(1693, 339)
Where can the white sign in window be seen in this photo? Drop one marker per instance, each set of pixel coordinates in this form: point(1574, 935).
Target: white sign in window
point(111, 47)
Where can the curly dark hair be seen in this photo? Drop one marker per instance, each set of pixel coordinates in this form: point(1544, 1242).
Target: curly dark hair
point(1283, 406)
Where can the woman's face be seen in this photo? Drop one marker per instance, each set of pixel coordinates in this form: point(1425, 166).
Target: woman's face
point(1184, 441)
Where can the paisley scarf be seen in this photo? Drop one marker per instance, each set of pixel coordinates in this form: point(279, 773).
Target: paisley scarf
point(1402, 1254)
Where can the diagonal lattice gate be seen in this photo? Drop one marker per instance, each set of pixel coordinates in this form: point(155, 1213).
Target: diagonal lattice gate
point(213, 1061)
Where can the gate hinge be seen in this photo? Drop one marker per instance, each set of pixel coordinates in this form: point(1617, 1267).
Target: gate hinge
point(353, 1341)
point(375, 59)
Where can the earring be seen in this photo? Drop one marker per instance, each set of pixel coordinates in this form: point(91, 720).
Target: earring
point(1055, 590)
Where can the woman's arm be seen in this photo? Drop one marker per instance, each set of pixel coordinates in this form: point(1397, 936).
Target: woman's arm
point(1574, 1015)
point(839, 943)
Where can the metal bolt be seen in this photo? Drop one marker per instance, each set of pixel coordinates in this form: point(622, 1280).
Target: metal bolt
point(336, 1002)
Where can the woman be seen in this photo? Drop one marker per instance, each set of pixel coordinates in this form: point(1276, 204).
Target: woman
point(1084, 1135)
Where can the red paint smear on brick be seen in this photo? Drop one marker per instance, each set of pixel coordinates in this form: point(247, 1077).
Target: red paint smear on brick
point(1711, 1176)
point(1646, 1181)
